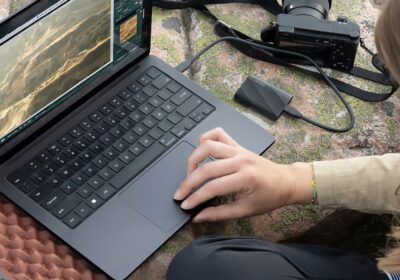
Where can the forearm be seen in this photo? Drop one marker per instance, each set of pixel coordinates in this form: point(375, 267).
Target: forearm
point(367, 184)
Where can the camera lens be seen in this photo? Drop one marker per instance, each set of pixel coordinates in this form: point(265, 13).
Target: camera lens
point(318, 9)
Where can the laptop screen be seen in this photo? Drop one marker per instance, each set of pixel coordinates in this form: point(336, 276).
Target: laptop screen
point(60, 52)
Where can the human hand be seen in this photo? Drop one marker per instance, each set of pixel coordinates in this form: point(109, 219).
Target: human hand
point(258, 185)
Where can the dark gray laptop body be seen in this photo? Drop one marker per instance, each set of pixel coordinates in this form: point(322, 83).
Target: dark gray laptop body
point(136, 221)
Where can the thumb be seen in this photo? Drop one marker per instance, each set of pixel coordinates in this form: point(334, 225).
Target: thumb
point(220, 213)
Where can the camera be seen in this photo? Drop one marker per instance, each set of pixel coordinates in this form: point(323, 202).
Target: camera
point(303, 27)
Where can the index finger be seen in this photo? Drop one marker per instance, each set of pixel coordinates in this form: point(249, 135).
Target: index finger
point(218, 134)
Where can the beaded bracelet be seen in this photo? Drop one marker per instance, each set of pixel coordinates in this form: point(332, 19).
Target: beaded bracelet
point(314, 186)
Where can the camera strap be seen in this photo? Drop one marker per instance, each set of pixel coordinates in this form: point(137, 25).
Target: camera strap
point(223, 30)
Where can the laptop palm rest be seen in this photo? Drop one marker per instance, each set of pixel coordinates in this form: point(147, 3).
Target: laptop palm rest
point(152, 194)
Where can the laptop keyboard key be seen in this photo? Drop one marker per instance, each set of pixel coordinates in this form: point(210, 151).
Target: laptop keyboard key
point(107, 140)
point(66, 206)
point(120, 145)
point(156, 133)
point(146, 141)
point(18, 177)
point(144, 80)
point(100, 161)
point(159, 114)
point(115, 102)
point(136, 116)
point(86, 125)
point(87, 156)
point(116, 165)
point(76, 132)
point(161, 81)
point(54, 199)
point(165, 94)
point(27, 187)
point(106, 109)
point(83, 210)
point(94, 201)
point(55, 148)
point(126, 157)
point(106, 174)
point(174, 87)
point(146, 108)
point(140, 129)
point(66, 140)
point(168, 140)
point(149, 90)
point(69, 187)
point(117, 132)
point(38, 178)
point(155, 101)
point(165, 125)
point(130, 105)
point(136, 149)
point(44, 157)
point(41, 193)
point(153, 72)
point(110, 153)
point(149, 121)
point(139, 98)
point(72, 220)
point(77, 164)
point(102, 128)
point(125, 94)
point(130, 137)
point(97, 148)
point(106, 191)
point(189, 105)
point(174, 118)
point(55, 181)
point(127, 124)
point(96, 182)
point(85, 191)
point(168, 106)
point(96, 116)
point(33, 165)
point(181, 96)
point(90, 170)
point(79, 179)
point(135, 87)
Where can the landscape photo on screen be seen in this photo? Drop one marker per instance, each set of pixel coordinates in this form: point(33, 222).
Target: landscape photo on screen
point(52, 56)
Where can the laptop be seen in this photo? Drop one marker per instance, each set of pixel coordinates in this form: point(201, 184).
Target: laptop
point(95, 132)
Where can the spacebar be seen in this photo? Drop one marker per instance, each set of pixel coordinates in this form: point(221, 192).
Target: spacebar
point(140, 163)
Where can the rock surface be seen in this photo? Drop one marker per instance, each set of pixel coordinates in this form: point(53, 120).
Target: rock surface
point(179, 34)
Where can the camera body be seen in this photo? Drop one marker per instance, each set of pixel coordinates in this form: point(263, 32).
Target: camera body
point(330, 43)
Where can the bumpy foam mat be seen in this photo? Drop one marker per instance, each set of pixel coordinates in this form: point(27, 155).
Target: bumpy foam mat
point(29, 251)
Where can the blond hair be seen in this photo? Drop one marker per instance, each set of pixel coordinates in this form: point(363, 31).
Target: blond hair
point(387, 39)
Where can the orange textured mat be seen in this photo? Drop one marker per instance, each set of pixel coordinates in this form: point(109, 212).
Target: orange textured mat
point(29, 251)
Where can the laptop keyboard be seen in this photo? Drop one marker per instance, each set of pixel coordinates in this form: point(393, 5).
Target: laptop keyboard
point(84, 168)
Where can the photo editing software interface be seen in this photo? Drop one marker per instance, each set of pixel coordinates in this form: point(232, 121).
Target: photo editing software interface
point(55, 56)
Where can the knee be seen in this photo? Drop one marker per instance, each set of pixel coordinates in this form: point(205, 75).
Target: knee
point(191, 262)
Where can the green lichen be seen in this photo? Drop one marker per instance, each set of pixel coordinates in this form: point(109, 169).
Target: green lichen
point(165, 43)
point(351, 9)
point(244, 227)
point(391, 125)
point(174, 245)
point(292, 216)
point(160, 14)
point(295, 148)
point(247, 25)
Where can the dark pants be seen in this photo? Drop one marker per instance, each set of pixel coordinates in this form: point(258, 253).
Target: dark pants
point(219, 257)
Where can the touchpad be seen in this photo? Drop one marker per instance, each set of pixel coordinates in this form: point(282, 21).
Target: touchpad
point(152, 193)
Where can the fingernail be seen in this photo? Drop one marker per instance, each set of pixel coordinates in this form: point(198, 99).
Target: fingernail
point(185, 205)
point(177, 195)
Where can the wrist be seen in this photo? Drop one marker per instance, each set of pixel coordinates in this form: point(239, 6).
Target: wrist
point(301, 185)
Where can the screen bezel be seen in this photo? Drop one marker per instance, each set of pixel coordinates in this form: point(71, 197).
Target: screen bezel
point(34, 12)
